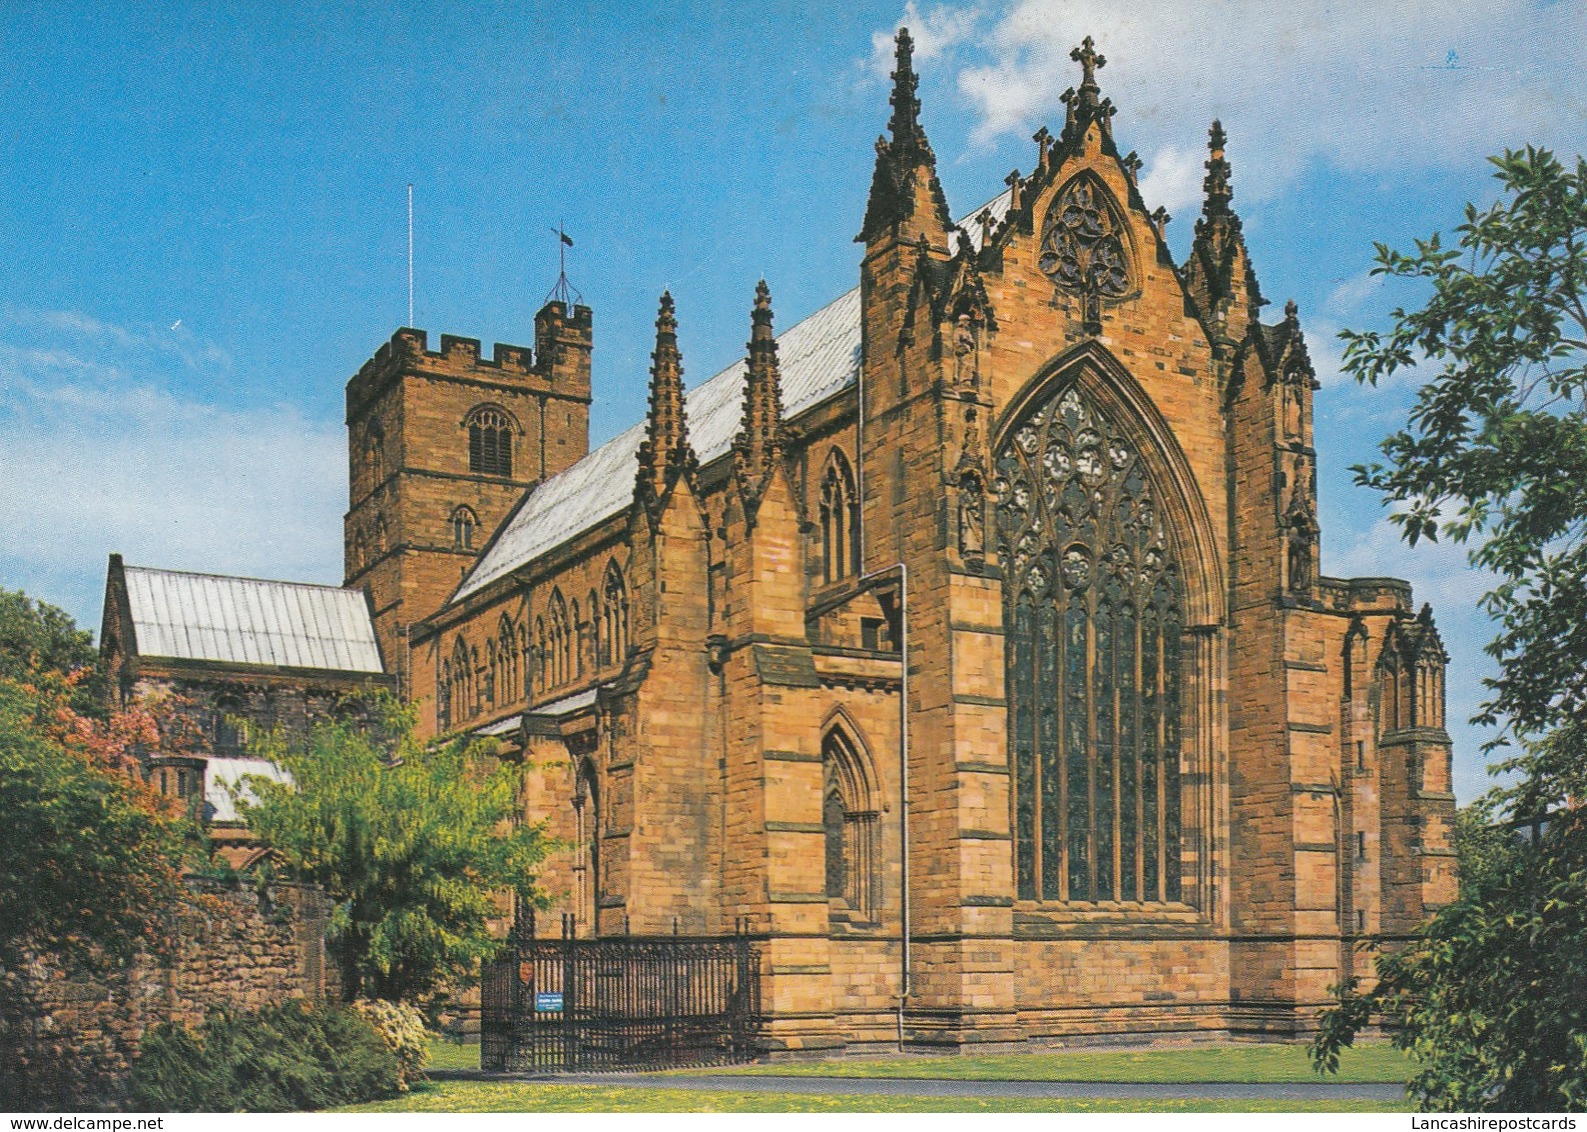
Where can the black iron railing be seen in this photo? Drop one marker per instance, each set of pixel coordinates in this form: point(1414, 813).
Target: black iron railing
point(632, 1002)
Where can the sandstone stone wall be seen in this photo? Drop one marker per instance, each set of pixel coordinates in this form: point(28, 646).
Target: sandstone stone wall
point(69, 1036)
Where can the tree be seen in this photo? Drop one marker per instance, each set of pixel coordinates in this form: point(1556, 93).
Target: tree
point(414, 843)
point(40, 644)
point(90, 858)
point(1494, 455)
point(1495, 452)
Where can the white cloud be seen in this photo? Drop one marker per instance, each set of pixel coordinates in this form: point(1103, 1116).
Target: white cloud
point(1173, 178)
point(1358, 87)
point(1348, 295)
point(93, 460)
point(936, 33)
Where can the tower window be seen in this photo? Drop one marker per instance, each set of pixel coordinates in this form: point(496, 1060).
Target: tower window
point(490, 442)
point(464, 522)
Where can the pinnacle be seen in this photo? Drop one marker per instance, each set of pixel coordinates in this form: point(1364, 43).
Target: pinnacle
point(905, 122)
point(760, 315)
point(1216, 184)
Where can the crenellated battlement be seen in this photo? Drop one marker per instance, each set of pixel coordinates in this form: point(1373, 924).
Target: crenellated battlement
point(557, 364)
point(408, 350)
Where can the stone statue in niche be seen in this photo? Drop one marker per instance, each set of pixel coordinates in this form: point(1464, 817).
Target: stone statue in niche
point(972, 516)
point(1302, 537)
point(1300, 558)
point(964, 351)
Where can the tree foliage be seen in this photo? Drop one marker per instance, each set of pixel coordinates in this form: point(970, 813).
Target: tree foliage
point(1489, 998)
point(1495, 450)
point(415, 844)
point(90, 857)
point(41, 645)
point(291, 1057)
point(1494, 455)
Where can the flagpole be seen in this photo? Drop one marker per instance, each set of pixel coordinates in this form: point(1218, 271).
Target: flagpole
point(410, 253)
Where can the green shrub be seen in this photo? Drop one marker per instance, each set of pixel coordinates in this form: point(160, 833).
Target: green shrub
point(401, 1026)
point(287, 1058)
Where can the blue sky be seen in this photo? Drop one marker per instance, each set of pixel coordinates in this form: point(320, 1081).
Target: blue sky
point(203, 217)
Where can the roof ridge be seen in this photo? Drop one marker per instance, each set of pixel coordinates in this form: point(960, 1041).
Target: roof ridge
point(242, 578)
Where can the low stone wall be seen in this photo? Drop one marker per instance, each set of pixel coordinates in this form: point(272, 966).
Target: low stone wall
point(68, 1037)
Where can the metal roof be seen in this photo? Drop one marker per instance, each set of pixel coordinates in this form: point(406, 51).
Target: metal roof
point(817, 357)
point(223, 784)
point(248, 621)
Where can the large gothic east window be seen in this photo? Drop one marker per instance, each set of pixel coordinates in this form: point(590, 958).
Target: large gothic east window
point(1093, 611)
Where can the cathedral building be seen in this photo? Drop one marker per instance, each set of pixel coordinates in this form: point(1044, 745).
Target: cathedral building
point(967, 640)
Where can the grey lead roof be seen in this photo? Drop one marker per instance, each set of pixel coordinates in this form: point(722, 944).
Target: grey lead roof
point(817, 357)
point(249, 621)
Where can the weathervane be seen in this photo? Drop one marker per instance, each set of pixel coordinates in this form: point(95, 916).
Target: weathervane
point(564, 292)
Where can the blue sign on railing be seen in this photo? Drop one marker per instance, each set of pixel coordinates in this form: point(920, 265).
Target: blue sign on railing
point(548, 1003)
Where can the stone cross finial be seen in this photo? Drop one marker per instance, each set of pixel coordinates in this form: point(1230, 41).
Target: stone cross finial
point(1086, 55)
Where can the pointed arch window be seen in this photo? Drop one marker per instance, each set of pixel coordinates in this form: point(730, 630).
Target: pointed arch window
point(587, 841)
point(507, 657)
point(580, 635)
point(375, 454)
point(560, 641)
point(490, 433)
point(526, 652)
point(459, 707)
point(614, 616)
point(464, 524)
point(542, 663)
point(849, 822)
point(1093, 614)
point(840, 519)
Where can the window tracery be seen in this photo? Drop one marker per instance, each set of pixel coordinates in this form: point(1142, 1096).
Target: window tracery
point(849, 822)
point(840, 519)
point(1093, 610)
point(614, 616)
point(1083, 249)
point(560, 642)
point(464, 524)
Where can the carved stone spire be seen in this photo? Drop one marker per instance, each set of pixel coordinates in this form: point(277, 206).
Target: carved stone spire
point(1216, 184)
point(904, 125)
point(905, 162)
point(665, 454)
point(758, 445)
point(1086, 105)
point(1219, 274)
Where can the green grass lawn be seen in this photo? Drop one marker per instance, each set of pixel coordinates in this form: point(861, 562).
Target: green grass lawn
point(511, 1096)
point(452, 1055)
point(1377, 1062)
point(1221, 1063)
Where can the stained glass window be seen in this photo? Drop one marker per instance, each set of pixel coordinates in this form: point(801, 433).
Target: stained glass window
point(1094, 612)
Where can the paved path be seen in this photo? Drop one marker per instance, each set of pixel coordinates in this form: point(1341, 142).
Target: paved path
point(936, 1087)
